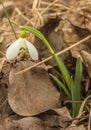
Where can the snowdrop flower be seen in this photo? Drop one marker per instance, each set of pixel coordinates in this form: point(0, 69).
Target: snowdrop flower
point(21, 45)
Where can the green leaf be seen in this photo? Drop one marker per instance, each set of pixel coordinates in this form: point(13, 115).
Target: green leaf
point(63, 70)
point(61, 85)
point(76, 87)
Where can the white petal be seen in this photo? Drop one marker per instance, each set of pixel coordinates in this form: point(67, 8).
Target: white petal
point(23, 42)
point(32, 50)
point(13, 50)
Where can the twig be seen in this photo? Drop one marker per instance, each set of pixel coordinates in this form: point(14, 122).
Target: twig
point(21, 14)
point(15, 23)
point(47, 8)
point(59, 53)
point(81, 110)
point(2, 53)
point(35, 11)
point(82, 106)
point(89, 122)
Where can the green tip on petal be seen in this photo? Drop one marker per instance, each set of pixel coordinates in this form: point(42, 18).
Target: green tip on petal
point(23, 34)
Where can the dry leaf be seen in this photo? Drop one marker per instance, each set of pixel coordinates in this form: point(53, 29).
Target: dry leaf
point(31, 123)
point(70, 35)
point(56, 121)
point(78, 13)
point(58, 117)
point(75, 51)
point(54, 37)
point(63, 112)
point(32, 92)
point(81, 127)
point(75, 20)
point(87, 61)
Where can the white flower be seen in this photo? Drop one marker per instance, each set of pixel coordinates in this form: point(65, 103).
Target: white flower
point(16, 47)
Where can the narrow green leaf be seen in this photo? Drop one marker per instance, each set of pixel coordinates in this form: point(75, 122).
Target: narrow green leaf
point(61, 85)
point(74, 111)
point(78, 73)
point(63, 70)
point(76, 88)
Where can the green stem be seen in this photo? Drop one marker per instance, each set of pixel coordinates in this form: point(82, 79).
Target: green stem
point(40, 35)
point(7, 15)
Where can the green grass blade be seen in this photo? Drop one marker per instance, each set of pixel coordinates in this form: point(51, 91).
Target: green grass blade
point(61, 85)
point(76, 88)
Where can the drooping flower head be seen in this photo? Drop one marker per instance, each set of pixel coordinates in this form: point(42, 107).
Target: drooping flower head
point(21, 45)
